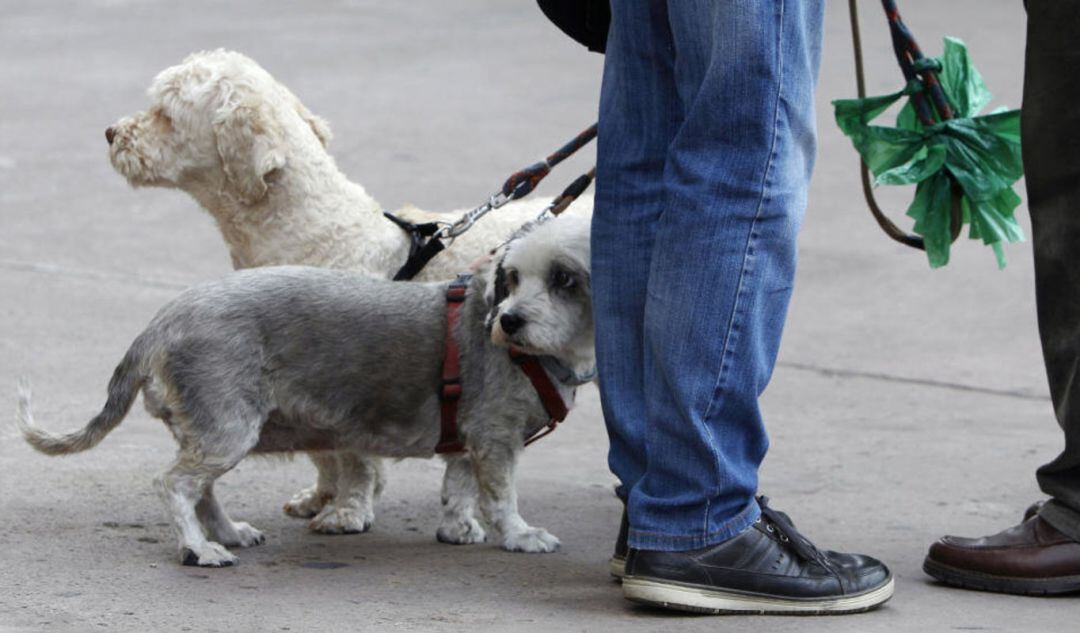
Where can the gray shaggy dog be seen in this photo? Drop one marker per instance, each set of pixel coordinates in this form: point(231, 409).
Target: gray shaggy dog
point(274, 360)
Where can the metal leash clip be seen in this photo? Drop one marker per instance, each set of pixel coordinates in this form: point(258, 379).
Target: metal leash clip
point(465, 222)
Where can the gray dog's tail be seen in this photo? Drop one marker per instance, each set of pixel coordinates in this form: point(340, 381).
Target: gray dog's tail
point(123, 388)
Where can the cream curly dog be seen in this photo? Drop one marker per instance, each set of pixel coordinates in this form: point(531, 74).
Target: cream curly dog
point(225, 131)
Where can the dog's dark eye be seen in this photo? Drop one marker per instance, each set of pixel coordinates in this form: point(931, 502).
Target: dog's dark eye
point(563, 279)
point(511, 278)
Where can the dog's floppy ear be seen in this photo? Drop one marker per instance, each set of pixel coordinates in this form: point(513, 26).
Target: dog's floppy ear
point(496, 288)
point(251, 146)
point(499, 291)
point(495, 291)
point(318, 124)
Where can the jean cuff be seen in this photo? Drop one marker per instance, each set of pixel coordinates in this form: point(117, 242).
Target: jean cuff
point(731, 528)
point(1063, 518)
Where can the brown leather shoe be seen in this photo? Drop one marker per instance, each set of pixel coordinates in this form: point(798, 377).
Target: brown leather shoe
point(1032, 558)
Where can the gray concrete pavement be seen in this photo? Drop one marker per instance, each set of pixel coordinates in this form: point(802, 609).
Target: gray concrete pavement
point(907, 403)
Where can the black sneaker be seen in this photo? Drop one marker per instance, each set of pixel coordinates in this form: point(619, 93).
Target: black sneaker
point(617, 564)
point(769, 568)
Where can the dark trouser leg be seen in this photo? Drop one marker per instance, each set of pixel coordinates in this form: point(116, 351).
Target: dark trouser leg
point(1051, 146)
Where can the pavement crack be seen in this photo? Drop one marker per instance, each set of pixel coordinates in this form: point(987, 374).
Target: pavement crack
point(907, 380)
point(95, 275)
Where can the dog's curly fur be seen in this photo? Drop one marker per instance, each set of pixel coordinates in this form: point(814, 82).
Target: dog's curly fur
point(221, 128)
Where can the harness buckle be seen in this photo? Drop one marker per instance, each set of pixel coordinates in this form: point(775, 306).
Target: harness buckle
point(451, 389)
point(455, 293)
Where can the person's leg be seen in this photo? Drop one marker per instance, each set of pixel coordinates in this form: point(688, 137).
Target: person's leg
point(723, 262)
point(1051, 146)
point(1042, 554)
point(732, 195)
point(639, 114)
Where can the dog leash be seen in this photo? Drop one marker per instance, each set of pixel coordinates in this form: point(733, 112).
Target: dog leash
point(450, 384)
point(428, 239)
point(915, 67)
point(553, 403)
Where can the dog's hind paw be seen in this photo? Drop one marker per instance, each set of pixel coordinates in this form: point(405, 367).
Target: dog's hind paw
point(210, 555)
point(334, 520)
point(307, 503)
point(531, 540)
point(465, 531)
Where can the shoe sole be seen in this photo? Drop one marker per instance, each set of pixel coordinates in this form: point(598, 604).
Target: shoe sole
point(967, 579)
point(701, 599)
point(617, 567)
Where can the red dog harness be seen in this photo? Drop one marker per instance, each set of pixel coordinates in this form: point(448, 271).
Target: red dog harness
point(450, 389)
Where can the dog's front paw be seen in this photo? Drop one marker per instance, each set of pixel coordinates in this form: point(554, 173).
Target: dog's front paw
point(307, 503)
point(244, 535)
point(335, 520)
point(210, 555)
point(461, 531)
point(532, 540)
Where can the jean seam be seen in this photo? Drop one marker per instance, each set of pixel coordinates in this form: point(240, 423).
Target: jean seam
point(748, 251)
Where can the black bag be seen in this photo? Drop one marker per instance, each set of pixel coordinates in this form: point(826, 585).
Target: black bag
point(586, 21)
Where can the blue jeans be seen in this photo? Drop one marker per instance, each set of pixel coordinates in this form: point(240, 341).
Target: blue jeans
point(706, 146)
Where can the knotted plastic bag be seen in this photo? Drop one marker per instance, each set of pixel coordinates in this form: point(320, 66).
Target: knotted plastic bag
point(981, 154)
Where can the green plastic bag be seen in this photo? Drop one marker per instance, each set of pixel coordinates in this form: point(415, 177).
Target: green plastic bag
point(980, 153)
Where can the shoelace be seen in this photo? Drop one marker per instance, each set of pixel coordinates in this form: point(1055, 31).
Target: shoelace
point(780, 523)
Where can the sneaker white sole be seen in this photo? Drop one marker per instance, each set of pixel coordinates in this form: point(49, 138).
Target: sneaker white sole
point(617, 567)
point(715, 601)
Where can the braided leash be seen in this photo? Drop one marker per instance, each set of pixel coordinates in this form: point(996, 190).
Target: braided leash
point(522, 182)
point(915, 67)
point(427, 238)
point(919, 71)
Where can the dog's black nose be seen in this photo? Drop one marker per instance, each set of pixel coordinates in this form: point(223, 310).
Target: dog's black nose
point(110, 134)
point(511, 322)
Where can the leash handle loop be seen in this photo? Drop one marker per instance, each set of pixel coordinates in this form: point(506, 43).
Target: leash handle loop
point(917, 70)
